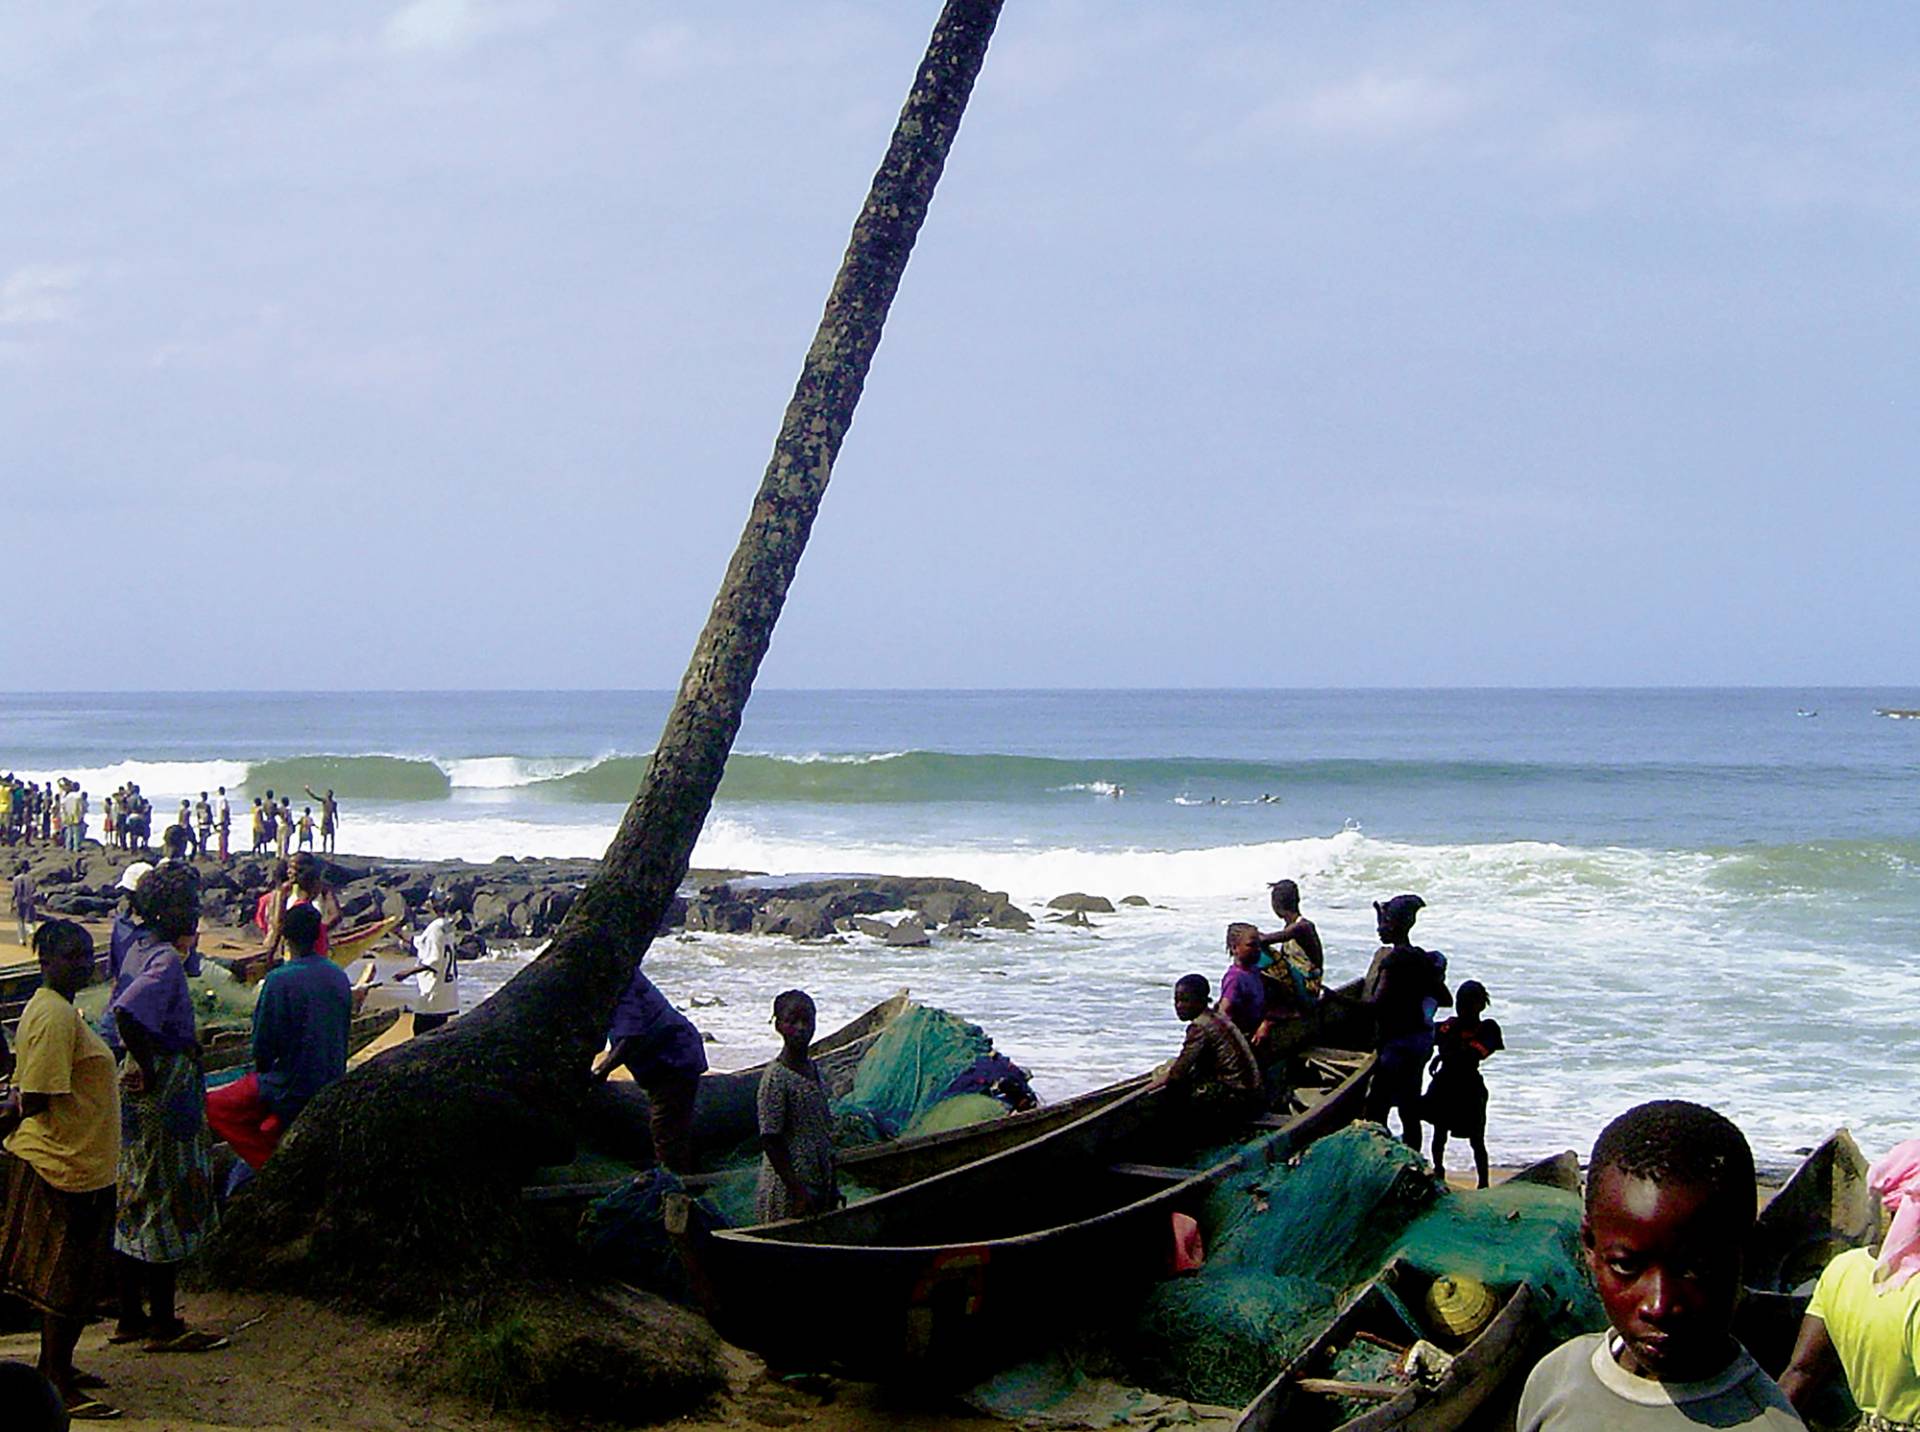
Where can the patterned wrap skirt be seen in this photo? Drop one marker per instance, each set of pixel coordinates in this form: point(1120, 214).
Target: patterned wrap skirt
point(54, 1245)
point(166, 1164)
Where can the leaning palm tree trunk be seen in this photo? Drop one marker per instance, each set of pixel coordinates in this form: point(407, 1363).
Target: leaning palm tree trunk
point(416, 1159)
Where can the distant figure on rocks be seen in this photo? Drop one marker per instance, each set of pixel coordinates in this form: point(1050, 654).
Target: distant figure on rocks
point(306, 829)
point(185, 823)
point(282, 829)
point(175, 843)
point(437, 975)
point(1295, 969)
point(259, 826)
point(797, 1173)
point(306, 884)
point(203, 824)
point(26, 900)
point(224, 824)
point(1403, 987)
point(666, 1057)
point(329, 817)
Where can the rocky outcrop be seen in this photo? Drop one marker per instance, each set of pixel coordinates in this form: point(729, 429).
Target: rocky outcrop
point(509, 899)
point(1082, 904)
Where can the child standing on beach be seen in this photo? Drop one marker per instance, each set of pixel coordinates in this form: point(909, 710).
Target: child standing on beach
point(797, 1175)
point(1670, 1202)
point(1456, 1100)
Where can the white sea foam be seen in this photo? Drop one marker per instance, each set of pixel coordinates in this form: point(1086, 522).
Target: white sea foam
point(1619, 974)
point(511, 772)
point(159, 781)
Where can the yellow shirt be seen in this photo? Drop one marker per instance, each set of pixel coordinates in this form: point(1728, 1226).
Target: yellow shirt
point(75, 1144)
point(1876, 1334)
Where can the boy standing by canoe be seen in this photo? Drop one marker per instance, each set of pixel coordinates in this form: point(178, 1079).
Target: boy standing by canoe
point(1669, 1207)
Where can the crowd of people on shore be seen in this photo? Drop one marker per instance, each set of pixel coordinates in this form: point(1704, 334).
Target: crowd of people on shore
point(58, 813)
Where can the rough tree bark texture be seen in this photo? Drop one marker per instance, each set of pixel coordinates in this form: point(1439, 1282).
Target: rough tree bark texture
point(399, 1184)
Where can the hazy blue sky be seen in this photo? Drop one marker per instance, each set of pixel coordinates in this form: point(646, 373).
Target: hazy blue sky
point(443, 343)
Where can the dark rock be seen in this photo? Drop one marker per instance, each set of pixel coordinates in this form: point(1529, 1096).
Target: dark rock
point(909, 932)
point(1135, 900)
point(1082, 903)
point(1007, 916)
point(492, 915)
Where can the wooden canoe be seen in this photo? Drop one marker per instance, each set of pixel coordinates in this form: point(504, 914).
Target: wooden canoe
point(231, 1048)
point(1561, 1171)
point(938, 1276)
point(1824, 1209)
point(721, 1118)
point(347, 945)
point(1308, 1393)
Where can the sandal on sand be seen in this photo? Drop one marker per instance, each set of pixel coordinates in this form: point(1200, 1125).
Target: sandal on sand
point(91, 1409)
point(189, 1341)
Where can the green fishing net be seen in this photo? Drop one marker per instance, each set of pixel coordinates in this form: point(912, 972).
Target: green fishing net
point(911, 1065)
point(1283, 1242)
point(220, 1002)
point(1286, 1245)
point(958, 1112)
point(1515, 1233)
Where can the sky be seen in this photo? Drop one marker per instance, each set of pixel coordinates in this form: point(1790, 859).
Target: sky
point(443, 343)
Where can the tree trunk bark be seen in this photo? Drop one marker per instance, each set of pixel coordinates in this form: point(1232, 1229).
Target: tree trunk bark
point(399, 1185)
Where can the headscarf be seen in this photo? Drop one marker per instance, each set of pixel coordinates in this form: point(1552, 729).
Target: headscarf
point(1896, 1180)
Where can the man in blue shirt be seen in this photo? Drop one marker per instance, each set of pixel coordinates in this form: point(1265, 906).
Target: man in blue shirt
point(666, 1057)
point(300, 1030)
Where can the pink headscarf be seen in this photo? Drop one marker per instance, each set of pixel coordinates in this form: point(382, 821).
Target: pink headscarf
point(1896, 1179)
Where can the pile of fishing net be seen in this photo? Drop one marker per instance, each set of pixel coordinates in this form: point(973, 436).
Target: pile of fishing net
point(1288, 1244)
point(921, 1061)
point(1283, 1242)
point(221, 1003)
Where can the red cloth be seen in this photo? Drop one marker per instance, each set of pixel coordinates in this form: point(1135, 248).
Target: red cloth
point(237, 1113)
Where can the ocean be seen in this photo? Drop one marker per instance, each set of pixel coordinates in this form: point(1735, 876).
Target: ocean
point(1712, 894)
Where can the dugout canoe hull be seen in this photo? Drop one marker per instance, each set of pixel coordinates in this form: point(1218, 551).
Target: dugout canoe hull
point(724, 1116)
point(1824, 1209)
point(233, 1048)
point(942, 1276)
point(1384, 1309)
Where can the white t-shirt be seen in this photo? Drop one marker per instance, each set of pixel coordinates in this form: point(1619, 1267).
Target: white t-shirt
point(437, 982)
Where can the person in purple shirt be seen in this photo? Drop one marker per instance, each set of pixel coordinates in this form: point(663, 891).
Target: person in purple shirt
point(1243, 995)
point(166, 1206)
point(666, 1057)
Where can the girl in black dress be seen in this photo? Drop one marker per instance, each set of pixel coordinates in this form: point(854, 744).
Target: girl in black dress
point(1456, 1101)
